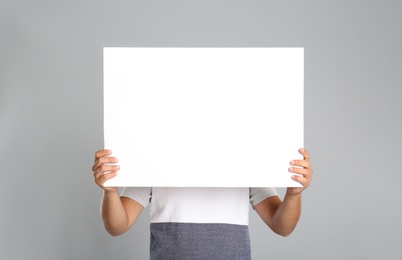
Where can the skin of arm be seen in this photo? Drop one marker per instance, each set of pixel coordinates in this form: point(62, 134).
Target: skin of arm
point(282, 216)
point(118, 213)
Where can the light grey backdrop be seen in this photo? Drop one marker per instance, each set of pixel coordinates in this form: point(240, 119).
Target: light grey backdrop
point(51, 119)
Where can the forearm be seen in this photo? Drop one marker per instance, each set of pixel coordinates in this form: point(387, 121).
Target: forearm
point(114, 215)
point(287, 215)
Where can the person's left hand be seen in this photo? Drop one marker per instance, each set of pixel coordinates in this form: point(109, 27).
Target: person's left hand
point(302, 167)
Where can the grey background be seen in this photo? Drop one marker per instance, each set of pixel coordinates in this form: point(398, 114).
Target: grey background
point(51, 119)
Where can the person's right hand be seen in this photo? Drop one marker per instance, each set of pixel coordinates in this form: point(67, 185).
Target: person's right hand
point(103, 170)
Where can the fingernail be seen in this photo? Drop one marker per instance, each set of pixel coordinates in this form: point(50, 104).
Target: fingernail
point(117, 167)
point(290, 169)
point(292, 162)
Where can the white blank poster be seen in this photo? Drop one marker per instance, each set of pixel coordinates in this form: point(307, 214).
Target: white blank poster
point(204, 117)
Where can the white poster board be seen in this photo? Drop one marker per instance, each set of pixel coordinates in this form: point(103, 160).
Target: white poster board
point(204, 117)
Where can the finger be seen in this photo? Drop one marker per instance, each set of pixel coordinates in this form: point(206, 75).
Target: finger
point(103, 160)
point(301, 171)
point(305, 154)
point(103, 169)
point(303, 181)
point(104, 177)
point(301, 163)
point(101, 153)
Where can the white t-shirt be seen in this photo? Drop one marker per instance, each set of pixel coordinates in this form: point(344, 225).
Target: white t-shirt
point(199, 223)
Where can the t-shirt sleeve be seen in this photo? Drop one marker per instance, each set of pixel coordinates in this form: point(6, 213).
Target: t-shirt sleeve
point(259, 194)
point(141, 195)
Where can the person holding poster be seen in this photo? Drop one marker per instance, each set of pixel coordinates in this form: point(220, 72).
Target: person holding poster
point(199, 223)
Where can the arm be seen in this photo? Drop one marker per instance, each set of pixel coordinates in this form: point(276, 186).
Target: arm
point(118, 213)
point(282, 216)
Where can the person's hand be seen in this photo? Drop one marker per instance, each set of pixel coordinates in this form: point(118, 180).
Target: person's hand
point(302, 167)
point(103, 170)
